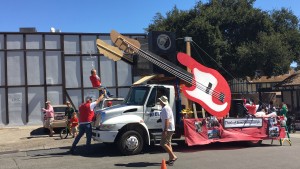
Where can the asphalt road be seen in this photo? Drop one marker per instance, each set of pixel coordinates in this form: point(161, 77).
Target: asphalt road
point(234, 155)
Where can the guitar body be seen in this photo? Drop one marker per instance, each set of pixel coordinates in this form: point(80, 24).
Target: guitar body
point(209, 88)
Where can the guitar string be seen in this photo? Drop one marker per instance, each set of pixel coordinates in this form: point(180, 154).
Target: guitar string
point(184, 76)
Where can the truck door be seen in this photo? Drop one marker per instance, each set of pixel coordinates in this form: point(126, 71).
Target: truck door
point(153, 108)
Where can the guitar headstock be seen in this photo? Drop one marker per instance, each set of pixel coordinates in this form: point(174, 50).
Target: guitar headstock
point(109, 51)
point(124, 43)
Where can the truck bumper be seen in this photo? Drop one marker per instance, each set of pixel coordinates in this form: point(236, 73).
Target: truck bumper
point(104, 136)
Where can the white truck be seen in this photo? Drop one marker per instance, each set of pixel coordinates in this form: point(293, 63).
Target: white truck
point(133, 124)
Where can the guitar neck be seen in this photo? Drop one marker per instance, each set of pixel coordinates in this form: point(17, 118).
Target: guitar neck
point(133, 46)
point(166, 65)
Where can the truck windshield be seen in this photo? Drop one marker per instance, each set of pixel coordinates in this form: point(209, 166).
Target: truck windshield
point(137, 95)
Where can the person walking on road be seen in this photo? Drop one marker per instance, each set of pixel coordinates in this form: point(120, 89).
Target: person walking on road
point(49, 113)
point(168, 128)
point(86, 114)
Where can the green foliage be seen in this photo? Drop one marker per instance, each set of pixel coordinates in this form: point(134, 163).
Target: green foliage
point(235, 36)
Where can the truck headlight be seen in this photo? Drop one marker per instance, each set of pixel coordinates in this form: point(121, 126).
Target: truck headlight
point(107, 126)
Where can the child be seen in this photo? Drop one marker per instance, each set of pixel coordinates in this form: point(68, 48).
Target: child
point(96, 82)
point(74, 124)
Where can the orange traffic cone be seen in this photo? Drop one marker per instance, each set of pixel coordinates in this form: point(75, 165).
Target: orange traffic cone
point(163, 164)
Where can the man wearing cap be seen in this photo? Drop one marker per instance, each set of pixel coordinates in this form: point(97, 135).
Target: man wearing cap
point(68, 114)
point(168, 128)
point(86, 114)
point(49, 113)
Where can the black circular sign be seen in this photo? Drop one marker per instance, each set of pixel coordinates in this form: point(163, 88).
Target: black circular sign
point(164, 41)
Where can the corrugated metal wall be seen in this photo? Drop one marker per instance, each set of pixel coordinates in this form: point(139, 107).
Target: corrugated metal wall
point(35, 67)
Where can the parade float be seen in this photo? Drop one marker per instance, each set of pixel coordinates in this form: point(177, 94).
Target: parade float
point(133, 124)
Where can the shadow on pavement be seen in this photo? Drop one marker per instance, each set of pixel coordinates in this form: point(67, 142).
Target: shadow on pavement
point(39, 131)
point(97, 150)
point(139, 164)
point(42, 132)
point(110, 150)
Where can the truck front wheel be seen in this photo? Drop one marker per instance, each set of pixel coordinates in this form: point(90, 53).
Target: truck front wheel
point(130, 143)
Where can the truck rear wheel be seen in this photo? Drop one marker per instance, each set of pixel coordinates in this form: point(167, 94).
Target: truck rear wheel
point(130, 143)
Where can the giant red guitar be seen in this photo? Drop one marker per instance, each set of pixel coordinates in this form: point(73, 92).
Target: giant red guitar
point(208, 86)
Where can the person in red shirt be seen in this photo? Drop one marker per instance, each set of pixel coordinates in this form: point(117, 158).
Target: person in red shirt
point(251, 107)
point(96, 82)
point(74, 124)
point(86, 115)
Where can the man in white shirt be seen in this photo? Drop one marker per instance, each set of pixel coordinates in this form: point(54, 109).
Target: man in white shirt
point(168, 128)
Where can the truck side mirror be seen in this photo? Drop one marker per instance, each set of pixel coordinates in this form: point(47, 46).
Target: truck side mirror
point(150, 105)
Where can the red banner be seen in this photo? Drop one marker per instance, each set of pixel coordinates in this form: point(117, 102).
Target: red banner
point(199, 132)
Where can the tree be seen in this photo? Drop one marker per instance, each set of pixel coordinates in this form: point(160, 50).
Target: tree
point(235, 37)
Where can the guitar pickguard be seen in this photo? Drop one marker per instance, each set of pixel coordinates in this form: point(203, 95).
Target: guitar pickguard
point(206, 97)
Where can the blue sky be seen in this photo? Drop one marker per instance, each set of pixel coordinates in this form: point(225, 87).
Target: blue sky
point(100, 16)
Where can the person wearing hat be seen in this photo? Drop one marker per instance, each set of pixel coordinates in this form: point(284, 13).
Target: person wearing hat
point(168, 128)
point(68, 114)
point(49, 113)
point(86, 115)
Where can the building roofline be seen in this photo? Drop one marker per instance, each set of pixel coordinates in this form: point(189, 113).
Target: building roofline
point(74, 33)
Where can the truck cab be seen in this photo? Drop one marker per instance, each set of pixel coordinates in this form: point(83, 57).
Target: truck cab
point(131, 124)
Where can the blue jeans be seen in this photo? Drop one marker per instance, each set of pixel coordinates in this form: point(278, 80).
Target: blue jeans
point(83, 128)
point(107, 92)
